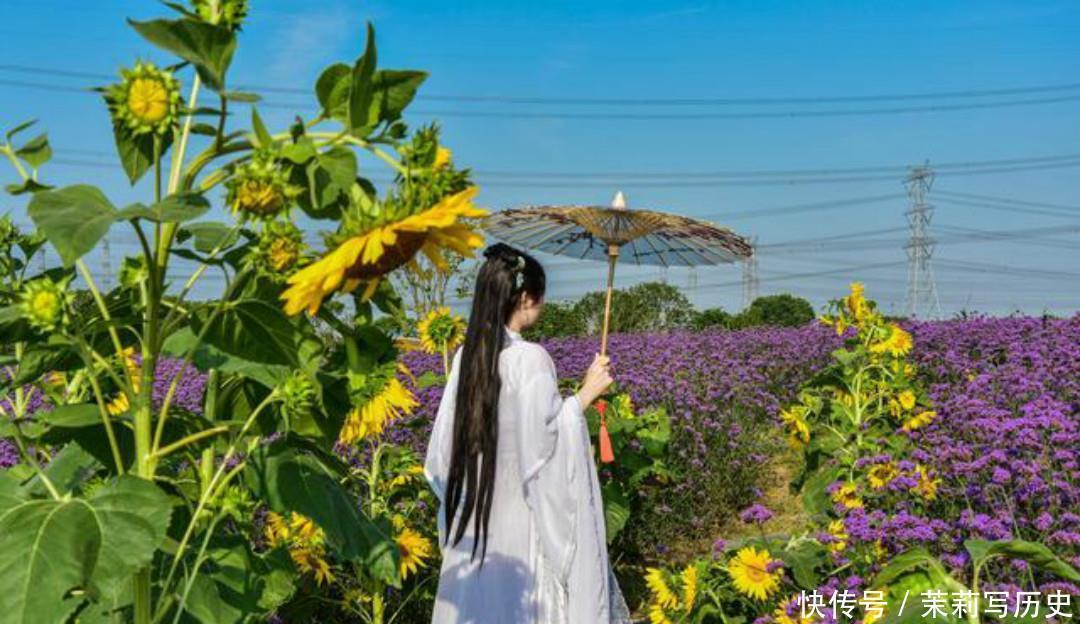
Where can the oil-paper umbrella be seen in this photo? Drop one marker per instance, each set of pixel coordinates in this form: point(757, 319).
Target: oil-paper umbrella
point(643, 237)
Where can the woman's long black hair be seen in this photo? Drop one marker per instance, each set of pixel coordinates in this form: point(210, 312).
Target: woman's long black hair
point(506, 275)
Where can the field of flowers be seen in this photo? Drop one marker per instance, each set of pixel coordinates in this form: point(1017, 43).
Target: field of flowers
point(998, 459)
point(257, 456)
point(1000, 453)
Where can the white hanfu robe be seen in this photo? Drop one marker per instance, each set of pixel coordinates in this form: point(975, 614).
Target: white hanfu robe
point(546, 559)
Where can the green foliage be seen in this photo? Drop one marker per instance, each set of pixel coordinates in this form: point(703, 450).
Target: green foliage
point(557, 319)
point(649, 306)
point(780, 310)
point(290, 482)
point(147, 511)
point(50, 547)
point(208, 47)
point(640, 443)
point(712, 318)
point(74, 219)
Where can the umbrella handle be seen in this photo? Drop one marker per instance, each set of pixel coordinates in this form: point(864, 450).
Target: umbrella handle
point(613, 257)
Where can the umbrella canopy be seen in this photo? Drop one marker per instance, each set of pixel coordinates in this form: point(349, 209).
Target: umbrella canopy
point(644, 237)
point(607, 232)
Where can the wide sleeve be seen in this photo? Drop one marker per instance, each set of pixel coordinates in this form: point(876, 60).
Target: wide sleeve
point(437, 462)
point(552, 442)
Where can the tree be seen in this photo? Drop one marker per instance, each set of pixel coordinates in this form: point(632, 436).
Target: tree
point(781, 310)
point(559, 318)
point(712, 318)
point(649, 306)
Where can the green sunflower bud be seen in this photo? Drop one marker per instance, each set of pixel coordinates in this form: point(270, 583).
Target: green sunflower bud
point(9, 234)
point(236, 503)
point(230, 13)
point(146, 101)
point(280, 249)
point(44, 303)
point(260, 190)
point(298, 396)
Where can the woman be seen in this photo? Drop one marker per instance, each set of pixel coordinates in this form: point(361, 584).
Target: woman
point(521, 523)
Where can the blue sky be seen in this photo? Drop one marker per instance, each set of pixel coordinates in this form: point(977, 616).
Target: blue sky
point(671, 50)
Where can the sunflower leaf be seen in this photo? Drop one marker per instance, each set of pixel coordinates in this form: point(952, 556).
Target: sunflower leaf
point(395, 90)
point(362, 88)
point(257, 331)
point(262, 135)
point(175, 208)
point(208, 47)
point(73, 218)
point(36, 151)
point(332, 89)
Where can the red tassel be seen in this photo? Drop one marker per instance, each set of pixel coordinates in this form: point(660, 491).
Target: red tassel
point(607, 455)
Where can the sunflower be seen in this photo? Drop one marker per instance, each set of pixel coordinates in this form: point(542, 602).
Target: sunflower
point(376, 252)
point(856, 303)
point(839, 536)
point(44, 303)
point(847, 495)
point(303, 529)
point(413, 549)
point(440, 331)
point(146, 101)
point(657, 615)
point(882, 475)
point(919, 420)
point(906, 399)
point(276, 530)
point(690, 578)
point(227, 13)
point(312, 560)
point(118, 405)
point(281, 247)
point(661, 591)
point(797, 427)
point(391, 402)
point(304, 540)
point(926, 486)
point(749, 571)
point(897, 343)
point(298, 395)
point(260, 189)
point(132, 366)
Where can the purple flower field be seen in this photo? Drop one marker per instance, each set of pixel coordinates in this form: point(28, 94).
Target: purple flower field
point(1006, 441)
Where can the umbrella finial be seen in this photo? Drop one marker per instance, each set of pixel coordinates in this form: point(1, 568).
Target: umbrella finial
point(619, 201)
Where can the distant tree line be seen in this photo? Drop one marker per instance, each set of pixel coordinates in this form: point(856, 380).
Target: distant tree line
point(656, 306)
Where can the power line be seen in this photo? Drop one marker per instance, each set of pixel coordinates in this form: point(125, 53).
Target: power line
point(982, 267)
point(705, 184)
point(618, 116)
point(1006, 200)
point(1006, 208)
point(789, 114)
point(802, 242)
point(750, 173)
point(624, 101)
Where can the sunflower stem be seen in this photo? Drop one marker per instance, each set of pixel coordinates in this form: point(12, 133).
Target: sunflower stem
point(218, 480)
